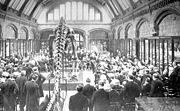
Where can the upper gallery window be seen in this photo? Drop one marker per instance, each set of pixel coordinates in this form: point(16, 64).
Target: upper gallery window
point(74, 11)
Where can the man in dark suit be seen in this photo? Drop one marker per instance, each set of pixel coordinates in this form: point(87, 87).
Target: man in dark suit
point(40, 80)
point(131, 90)
point(88, 92)
point(115, 96)
point(21, 95)
point(174, 79)
point(78, 102)
point(32, 94)
point(100, 98)
point(156, 86)
point(9, 91)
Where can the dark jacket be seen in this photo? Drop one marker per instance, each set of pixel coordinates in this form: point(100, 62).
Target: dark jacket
point(174, 79)
point(9, 91)
point(100, 100)
point(131, 90)
point(32, 96)
point(145, 90)
point(88, 91)
point(78, 102)
point(116, 100)
point(157, 89)
point(21, 84)
point(40, 81)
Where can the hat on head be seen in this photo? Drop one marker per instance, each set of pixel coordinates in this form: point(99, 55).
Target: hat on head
point(35, 68)
point(16, 74)
point(34, 76)
point(79, 87)
point(88, 80)
point(5, 74)
point(115, 82)
point(23, 72)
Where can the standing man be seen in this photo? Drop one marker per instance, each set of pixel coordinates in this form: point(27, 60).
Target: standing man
point(9, 91)
point(40, 80)
point(131, 90)
point(78, 102)
point(100, 98)
point(21, 95)
point(88, 92)
point(157, 89)
point(32, 94)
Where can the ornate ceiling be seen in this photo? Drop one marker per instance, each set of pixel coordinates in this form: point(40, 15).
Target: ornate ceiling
point(33, 8)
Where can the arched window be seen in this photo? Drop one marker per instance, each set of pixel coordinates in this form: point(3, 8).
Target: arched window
point(10, 32)
point(74, 10)
point(23, 34)
point(31, 35)
point(170, 26)
point(9, 37)
point(78, 36)
point(130, 34)
point(144, 30)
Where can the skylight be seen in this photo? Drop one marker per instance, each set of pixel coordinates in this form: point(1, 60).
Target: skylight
point(2, 1)
point(124, 4)
point(135, 1)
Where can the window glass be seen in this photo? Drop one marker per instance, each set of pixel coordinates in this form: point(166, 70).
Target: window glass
point(37, 12)
point(10, 33)
point(123, 4)
point(20, 4)
point(68, 11)
point(170, 26)
point(135, 1)
point(114, 9)
point(74, 10)
point(126, 4)
point(2, 1)
point(79, 10)
point(97, 16)
point(56, 13)
point(86, 11)
point(30, 3)
point(23, 34)
point(11, 3)
point(62, 10)
point(91, 14)
point(15, 4)
point(31, 8)
point(177, 48)
point(50, 16)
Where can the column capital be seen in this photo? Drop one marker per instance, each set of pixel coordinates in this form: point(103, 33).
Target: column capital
point(155, 30)
point(86, 33)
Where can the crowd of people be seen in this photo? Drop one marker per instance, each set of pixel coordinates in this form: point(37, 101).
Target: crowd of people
point(119, 80)
point(21, 83)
